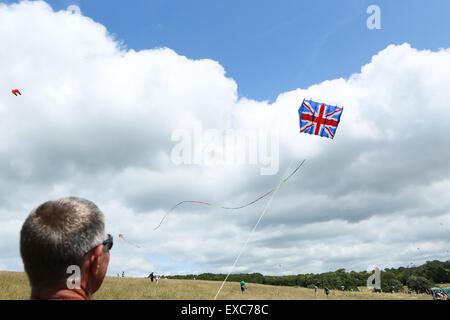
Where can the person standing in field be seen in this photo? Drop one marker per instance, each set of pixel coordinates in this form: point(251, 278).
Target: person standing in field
point(151, 277)
point(327, 291)
point(65, 250)
point(157, 278)
point(316, 290)
point(242, 286)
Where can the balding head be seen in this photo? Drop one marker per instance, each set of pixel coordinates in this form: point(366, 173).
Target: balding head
point(56, 235)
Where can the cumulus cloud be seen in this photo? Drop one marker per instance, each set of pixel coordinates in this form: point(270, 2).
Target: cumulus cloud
point(96, 120)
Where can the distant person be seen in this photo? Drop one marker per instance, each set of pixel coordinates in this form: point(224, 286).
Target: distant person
point(327, 291)
point(151, 277)
point(316, 290)
point(65, 250)
point(242, 286)
point(157, 278)
point(123, 274)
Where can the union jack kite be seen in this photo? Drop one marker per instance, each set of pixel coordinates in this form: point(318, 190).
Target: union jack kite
point(319, 119)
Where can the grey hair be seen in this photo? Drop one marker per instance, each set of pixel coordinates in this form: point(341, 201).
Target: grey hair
point(58, 234)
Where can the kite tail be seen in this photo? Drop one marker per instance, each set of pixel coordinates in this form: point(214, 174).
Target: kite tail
point(231, 208)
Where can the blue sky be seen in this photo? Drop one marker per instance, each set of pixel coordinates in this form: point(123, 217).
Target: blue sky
point(270, 47)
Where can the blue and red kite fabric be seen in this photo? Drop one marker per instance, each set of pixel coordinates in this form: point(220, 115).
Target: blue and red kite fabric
point(319, 119)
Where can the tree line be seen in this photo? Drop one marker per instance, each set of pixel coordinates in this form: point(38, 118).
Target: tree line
point(418, 278)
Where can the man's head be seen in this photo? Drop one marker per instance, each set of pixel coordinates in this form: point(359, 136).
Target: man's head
point(63, 233)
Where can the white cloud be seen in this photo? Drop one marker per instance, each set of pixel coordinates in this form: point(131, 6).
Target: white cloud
point(95, 120)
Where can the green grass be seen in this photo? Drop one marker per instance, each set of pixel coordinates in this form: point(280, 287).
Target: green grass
point(14, 285)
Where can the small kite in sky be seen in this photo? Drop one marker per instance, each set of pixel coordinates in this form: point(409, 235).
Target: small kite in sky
point(123, 238)
point(15, 92)
point(319, 119)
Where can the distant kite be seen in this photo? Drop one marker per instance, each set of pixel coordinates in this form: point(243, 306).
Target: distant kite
point(15, 92)
point(319, 119)
point(123, 238)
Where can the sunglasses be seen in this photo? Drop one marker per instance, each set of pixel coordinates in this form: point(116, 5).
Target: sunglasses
point(108, 243)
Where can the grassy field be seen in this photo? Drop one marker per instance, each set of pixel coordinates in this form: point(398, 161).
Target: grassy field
point(14, 285)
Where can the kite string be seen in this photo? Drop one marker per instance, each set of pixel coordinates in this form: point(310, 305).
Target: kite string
point(253, 230)
point(245, 245)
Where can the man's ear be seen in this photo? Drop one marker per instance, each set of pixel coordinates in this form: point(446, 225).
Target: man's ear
point(94, 259)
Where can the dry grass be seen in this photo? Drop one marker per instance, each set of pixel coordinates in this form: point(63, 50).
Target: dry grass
point(14, 285)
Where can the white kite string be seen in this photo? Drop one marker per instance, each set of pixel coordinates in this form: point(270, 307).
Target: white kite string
point(248, 239)
point(245, 245)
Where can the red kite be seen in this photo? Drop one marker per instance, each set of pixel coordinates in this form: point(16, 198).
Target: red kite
point(123, 238)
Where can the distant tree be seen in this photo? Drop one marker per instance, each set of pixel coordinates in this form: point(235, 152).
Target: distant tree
point(395, 285)
point(416, 278)
point(419, 284)
point(300, 280)
point(386, 279)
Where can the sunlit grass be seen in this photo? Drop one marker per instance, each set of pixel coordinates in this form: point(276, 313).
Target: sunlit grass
point(14, 285)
